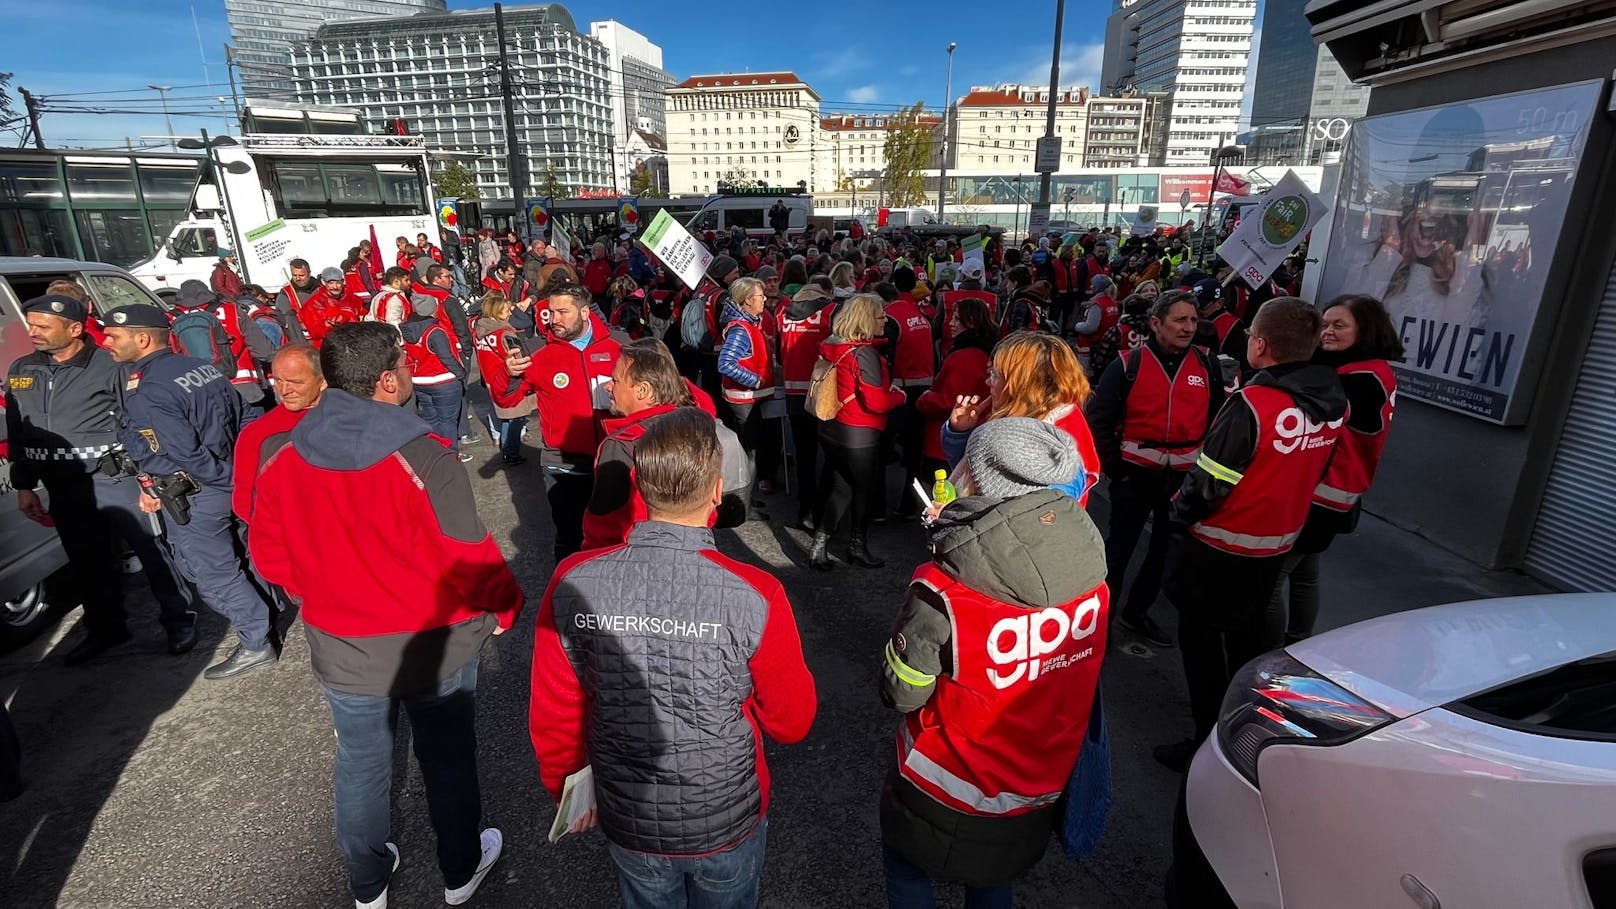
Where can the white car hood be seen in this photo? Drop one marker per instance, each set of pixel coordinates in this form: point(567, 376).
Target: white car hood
point(1412, 661)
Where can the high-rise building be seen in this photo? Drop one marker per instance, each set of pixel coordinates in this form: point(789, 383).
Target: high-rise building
point(1194, 50)
point(262, 33)
point(439, 74)
point(639, 88)
point(1282, 91)
point(744, 127)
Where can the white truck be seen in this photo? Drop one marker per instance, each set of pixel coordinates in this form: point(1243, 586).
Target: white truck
point(273, 198)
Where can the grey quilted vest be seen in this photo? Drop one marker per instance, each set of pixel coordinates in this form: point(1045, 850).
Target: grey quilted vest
point(661, 635)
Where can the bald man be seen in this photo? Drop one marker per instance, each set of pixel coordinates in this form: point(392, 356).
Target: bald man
point(299, 385)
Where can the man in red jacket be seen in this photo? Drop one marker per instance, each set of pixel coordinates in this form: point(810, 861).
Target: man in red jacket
point(666, 689)
point(298, 385)
point(567, 377)
point(401, 584)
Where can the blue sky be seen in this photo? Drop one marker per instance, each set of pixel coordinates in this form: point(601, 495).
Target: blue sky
point(853, 56)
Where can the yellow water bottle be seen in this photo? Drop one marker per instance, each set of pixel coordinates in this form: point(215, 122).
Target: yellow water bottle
point(942, 491)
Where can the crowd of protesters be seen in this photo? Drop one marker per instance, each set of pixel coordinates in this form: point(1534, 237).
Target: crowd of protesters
point(828, 374)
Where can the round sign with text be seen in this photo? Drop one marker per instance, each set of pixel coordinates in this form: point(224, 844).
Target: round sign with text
point(1284, 220)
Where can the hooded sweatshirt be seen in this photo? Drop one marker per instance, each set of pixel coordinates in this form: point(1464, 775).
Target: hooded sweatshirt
point(1005, 723)
point(370, 520)
point(1235, 438)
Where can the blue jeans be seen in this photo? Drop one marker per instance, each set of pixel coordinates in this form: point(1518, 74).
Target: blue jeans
point(909, 888)
point(724, 880)
point(510, 437)
point(444, 733)
point(439, 407)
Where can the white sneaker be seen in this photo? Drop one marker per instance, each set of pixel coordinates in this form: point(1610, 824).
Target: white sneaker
point(380, 902)
point(493, 845)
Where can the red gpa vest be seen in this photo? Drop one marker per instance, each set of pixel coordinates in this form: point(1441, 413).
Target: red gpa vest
point(425, 367)
point(1264, 513)
point(950, 300)
point(1224, 323)
point(298, 301)
point(799, 347)
point(913, 363)
point(756, 362)
point(379, 303)
point(1110, 315)
point(1002, 731)
point(442, 296)
point(1165, 418)
point(1357, 453)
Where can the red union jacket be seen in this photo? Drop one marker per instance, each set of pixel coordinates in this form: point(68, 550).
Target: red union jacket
point(568, 385)
point(615, 505)
point(277, 421)
point(355, 472)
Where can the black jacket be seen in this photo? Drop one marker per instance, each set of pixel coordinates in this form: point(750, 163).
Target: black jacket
point(1232, 440)
point(62, 417)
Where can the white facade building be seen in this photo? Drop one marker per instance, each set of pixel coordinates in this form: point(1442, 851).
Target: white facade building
point(439, 73)
point(745, 127)
point(639, 87)
point(997, 129)
point(1196, 50)
point(852, 148)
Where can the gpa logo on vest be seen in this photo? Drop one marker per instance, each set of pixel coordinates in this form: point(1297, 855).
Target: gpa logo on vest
point(1296, 431)
point(1021, 643)
point(1195, 381)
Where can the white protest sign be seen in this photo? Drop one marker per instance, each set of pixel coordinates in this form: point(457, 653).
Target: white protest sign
point(1265, 237)
point(1144, 223)
point(971, 248)
point(675, 248)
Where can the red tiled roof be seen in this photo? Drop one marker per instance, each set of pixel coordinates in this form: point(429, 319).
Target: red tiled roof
point(1009, 98)
point(739, 80)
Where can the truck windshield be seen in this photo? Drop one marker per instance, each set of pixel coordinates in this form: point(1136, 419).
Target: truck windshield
point(195, 241)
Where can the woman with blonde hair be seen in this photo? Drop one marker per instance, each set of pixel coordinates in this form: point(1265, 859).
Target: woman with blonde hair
point(1032, 375)
point(852, 438)
point(841, 279)
point(512, 404)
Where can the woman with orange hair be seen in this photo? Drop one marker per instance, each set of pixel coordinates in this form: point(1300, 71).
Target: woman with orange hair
point(1032, 375)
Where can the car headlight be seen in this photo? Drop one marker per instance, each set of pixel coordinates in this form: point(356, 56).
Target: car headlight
point(1275, 699)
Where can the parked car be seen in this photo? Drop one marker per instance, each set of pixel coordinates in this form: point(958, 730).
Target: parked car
point(1462, 755)
point(31, 556)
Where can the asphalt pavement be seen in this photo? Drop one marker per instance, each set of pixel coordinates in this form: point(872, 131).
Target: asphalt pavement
point(148, 786)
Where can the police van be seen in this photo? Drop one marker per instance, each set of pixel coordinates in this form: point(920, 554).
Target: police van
point(31, 557)
point(748, 208)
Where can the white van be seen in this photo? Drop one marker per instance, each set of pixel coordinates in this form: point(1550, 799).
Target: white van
point(751, 212)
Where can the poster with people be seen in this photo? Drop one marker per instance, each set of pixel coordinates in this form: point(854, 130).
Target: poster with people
point(1451, 215)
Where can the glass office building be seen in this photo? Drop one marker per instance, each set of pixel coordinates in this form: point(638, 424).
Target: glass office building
point(262, 33)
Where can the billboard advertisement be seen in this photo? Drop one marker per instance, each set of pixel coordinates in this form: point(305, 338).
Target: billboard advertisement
point(1197, 185)
point(1451, 216)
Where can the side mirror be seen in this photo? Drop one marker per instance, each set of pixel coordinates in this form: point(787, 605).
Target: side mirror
point(168, 247)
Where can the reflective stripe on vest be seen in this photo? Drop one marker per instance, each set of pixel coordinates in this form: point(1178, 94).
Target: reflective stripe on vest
point(919, 766)
point(913, 383)
point(440, 379)
point(794, 385)
point(1337, 499)
point(746, 395)
point(1157, 457)
point(1256, 546)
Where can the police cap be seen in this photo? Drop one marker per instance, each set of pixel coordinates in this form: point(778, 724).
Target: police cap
point(137, 315)
point(57, 305)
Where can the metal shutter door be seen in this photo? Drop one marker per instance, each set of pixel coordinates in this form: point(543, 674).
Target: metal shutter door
point(1576, 529)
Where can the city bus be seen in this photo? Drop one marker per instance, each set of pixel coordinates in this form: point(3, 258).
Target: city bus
point(271, 198)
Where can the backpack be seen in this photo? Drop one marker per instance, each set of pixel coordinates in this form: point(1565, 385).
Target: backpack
point(269, 322)
point(199, 333)
point(822, 399)
point(693, 328)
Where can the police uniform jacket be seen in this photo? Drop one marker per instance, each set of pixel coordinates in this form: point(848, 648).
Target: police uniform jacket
point(61, 417)
point(182, 414)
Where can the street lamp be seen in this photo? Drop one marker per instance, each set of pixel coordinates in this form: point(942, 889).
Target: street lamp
point(948, 127)
point(168, 126)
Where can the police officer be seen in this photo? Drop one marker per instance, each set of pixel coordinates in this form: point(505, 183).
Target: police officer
point(181, 419)
point(62, 406)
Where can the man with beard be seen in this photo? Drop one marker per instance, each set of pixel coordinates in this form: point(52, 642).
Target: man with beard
point(294, 296)
point(568, 378)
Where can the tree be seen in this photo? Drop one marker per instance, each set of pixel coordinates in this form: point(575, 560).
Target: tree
point(10, 120)
point(644, 183)
point(550, 185)
point(908, 154)
point(844, 182)
point(455, 181)
point(737, 175)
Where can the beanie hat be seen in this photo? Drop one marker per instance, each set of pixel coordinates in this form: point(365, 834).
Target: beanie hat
point(720, 267)
point(765, 272)
point(424, 305)
point(1011, 456)
point(331, 274)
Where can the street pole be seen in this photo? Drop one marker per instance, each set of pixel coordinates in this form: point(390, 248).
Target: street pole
point(230, 70)
point(948, 128)
point(1046, 178)
point(513, 156)
point(32, 103)
point(168, 125)
point(1015, 221)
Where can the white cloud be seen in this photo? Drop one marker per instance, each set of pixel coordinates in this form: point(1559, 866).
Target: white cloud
point(1080, 65)
point(864, 94)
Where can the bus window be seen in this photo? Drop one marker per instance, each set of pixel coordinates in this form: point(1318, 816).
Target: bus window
point(167, 183)
point(101, 183)
point(401, 187)
point(298, 188)
point(352, 186)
